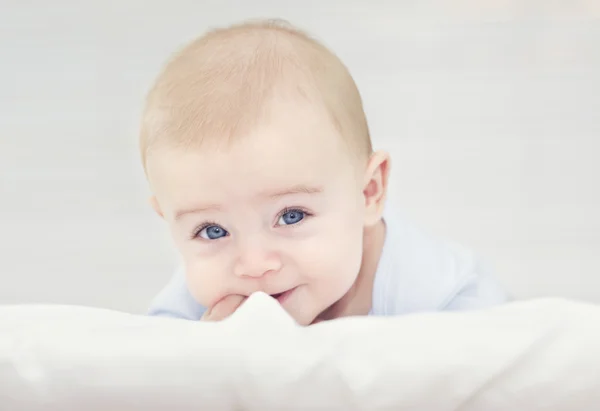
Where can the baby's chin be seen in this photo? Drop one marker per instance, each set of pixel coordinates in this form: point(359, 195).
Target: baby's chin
point(297, 303)
point(304, 320)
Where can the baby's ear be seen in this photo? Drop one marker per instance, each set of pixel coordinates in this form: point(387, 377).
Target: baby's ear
point(156, 206)
point(375, 186)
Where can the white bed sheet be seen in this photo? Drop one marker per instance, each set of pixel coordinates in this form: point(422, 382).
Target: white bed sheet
point(536, 355)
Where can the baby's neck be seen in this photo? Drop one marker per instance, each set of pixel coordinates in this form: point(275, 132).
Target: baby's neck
point(359, 299)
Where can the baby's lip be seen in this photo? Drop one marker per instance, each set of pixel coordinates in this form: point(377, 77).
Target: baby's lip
point(282, 296)
point(274, 295)
point(278, 294)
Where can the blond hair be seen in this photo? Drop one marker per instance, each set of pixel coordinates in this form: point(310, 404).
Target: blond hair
point(220, 84)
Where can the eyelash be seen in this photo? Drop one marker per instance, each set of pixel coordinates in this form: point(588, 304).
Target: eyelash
point(294, 209)
point(196, 232)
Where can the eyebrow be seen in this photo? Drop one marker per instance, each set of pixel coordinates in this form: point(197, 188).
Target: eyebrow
point(297, 189)
point(181, 213)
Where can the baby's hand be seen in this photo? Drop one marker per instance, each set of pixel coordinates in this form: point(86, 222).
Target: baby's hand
point(223, 308)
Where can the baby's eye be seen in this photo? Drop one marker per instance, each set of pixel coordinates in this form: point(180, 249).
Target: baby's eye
point(212, 232)
point(291, 217)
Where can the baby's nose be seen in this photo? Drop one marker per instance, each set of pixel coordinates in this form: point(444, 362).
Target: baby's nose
point(256, 262)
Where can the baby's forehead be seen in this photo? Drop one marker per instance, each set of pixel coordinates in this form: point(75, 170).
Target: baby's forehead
point(282, 153)
point(225, 179)
point(283, 124)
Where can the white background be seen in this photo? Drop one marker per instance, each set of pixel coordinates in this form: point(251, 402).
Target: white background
point(491, 110)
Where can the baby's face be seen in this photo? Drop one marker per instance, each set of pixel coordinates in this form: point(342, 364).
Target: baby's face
point(280, 210)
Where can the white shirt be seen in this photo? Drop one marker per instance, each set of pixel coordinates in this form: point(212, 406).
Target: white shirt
point(416, 273)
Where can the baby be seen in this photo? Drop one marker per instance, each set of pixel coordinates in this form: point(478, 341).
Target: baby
point(258, 154)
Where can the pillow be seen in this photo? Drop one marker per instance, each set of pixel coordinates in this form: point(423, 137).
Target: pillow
point(537, 355)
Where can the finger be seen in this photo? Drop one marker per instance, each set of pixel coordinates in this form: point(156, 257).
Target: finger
point(224, 308)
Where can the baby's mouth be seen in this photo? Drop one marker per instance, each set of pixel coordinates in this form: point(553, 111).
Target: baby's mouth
point(281, 297)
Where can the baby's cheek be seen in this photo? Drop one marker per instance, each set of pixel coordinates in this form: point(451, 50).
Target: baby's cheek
point(348, 255)
point(348, 260)
point(203, 282)
point(334, 261)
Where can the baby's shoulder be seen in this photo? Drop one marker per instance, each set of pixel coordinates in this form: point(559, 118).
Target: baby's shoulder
point(418, 271)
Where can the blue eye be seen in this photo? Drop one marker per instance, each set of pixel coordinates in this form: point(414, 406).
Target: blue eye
point(291, 217)
point(212, 232)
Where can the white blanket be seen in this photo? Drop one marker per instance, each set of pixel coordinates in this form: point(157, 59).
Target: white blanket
point(537, 355)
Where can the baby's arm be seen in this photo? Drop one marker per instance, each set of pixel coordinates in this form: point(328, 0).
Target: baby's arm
point(176, 301)
point(479, 290)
